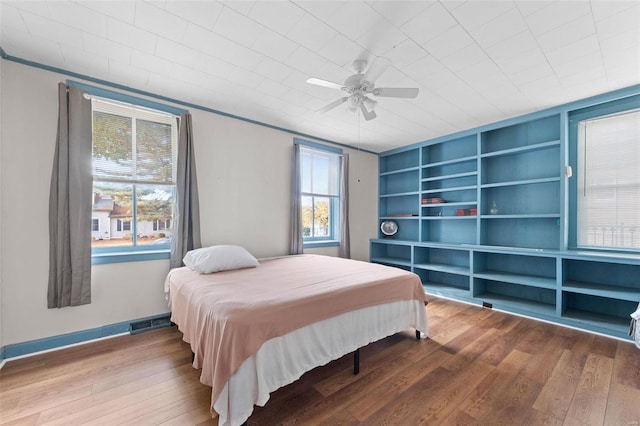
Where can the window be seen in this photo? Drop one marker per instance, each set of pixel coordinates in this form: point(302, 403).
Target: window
point(134, 172)
point(159, 225)
point(123, 226)
point(320, 194)
point(95, 225)
point(608, 181)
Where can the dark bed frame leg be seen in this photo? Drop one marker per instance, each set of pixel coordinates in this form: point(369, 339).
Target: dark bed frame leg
point(193, 357)
point(356, 361)
point(417, 334)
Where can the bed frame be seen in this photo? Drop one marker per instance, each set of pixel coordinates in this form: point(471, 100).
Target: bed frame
point(356, 358)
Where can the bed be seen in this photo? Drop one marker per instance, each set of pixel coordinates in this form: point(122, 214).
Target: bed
point(255, 330)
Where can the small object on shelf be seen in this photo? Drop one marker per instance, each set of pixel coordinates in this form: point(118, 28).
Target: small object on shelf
point(494, 208)
point(467, 212)
point(434, 200)
point(389, 228)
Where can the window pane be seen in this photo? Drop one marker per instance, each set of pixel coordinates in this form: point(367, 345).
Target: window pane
point(305, 171)
point(155, 208)
point(307, 216)
point(321, 217)
point(320, 170)
point(154, 151)
point(609, 182)
point(112, 209)
point(112, 145)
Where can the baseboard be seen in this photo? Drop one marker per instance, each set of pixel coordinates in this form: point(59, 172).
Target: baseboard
point(83, 336)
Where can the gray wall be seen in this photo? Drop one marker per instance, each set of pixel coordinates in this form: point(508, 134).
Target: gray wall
point(243, 174)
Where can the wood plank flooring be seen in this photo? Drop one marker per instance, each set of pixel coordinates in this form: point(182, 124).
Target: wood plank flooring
point(478, 366)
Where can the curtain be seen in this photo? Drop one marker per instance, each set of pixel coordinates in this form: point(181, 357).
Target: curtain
point(70, 201)
point(186, 217)
point(296, 246)
point(344, 250)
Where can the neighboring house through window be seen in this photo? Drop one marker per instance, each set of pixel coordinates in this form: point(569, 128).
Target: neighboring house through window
point(320, 193)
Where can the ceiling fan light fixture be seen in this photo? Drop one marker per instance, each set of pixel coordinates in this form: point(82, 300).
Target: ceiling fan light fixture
point(369, 103)
point(368, 115)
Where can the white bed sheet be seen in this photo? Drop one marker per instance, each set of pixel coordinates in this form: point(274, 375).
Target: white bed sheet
point(283, 360)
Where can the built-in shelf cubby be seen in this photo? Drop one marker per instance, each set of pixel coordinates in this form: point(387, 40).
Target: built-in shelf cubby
point(391, 254)
point(524, 232)
point(520, 298)
point(399, 205)
point(450, 230)
point(527, 270)
point(482, 217)
point(443, 270)
point(399, 182)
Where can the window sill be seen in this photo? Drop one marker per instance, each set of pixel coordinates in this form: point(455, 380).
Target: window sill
point(320, 244)
point(129, 256)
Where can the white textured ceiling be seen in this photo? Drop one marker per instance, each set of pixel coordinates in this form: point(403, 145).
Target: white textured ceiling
point(475, 62)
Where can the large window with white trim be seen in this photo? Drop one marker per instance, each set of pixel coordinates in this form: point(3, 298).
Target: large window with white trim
point(134, 175)
point(608, 181)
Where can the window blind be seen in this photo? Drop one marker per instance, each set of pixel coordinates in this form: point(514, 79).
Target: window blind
point(609, 181)
point(133, 144)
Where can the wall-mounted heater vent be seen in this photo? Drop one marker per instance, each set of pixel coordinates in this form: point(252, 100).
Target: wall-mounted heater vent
point(149, 324)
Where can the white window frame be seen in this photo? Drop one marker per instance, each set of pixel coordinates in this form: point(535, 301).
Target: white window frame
point(334, 155)
point(134, 112)
point(612, 237)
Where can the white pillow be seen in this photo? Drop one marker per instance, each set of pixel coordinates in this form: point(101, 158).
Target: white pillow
point(219, 258)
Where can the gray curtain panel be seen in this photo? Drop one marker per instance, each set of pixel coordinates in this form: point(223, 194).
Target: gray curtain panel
point(70, 203)
point(295, 246)
point(344, 250)
point(186, 217)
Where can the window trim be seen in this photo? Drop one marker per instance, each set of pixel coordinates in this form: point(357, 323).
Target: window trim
point(575, 117)
point(105, 255)
point(332, 240)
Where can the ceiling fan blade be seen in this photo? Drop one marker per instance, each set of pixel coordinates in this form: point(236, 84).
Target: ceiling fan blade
point(396, 92)
point(368, 115)
point(332, 105)
point(377, 67)
point(325, 83)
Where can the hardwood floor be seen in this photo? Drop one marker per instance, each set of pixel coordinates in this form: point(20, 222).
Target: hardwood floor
point(478, 366)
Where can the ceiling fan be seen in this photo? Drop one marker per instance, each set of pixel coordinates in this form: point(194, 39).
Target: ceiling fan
point(361, 84)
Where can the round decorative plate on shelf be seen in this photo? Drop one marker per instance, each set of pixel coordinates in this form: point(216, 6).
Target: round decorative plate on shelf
point(389, 228)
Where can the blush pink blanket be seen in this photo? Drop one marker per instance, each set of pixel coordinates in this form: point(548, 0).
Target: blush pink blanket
point(227, 316)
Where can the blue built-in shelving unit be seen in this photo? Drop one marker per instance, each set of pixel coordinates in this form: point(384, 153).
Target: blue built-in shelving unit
point(500, 234)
